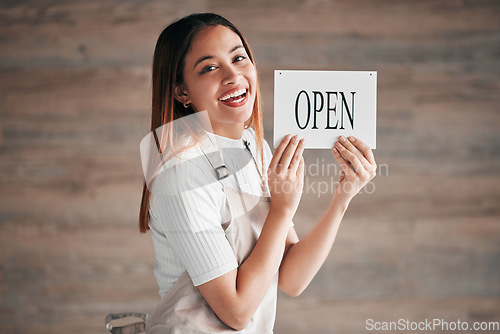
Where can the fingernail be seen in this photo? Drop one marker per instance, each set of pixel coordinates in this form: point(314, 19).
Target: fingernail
point(342, 138)
point(339, 145)
point(302, 141)
point(351, 138)
point(287, 136)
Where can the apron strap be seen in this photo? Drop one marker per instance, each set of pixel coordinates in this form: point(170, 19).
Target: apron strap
point(214, 156)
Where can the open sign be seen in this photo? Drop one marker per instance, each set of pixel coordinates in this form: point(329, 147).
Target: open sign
point(322, 105)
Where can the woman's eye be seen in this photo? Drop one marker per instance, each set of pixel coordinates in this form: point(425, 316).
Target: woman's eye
point(207, 68)
point(239, 58)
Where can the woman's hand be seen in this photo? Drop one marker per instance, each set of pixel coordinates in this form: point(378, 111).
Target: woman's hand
point(286, 175)
point(358, 166)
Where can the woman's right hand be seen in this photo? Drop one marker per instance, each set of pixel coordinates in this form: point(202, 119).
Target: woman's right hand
point(286, 175)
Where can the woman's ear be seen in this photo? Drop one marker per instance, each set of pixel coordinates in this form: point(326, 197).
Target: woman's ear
point(181, 95)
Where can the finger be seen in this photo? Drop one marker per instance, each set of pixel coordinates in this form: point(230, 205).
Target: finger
point(297, 157)
point(344, 164)
point(300, 168)
point(347, 143)
point(279, 152)
point(287, 155)
point(365, 149)
point(351, 158)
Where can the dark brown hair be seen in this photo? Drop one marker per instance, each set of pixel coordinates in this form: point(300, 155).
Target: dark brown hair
point(169, 57)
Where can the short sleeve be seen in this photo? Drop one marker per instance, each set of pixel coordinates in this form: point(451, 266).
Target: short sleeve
point(187, 204)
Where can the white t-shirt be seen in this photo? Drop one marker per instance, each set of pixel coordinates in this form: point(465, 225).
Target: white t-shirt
point(188, 208)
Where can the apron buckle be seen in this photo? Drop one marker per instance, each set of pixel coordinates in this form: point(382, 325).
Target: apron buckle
point(222, 172)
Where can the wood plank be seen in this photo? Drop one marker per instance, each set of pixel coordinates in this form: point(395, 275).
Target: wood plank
point(386, 18)
point(95, 33)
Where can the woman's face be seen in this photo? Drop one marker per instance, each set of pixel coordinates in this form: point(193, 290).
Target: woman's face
point(220, 78)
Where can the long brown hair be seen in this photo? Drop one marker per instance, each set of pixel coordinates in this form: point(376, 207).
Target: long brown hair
point(169, 57)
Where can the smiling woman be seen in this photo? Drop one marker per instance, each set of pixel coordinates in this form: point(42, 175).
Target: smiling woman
point(221, 224)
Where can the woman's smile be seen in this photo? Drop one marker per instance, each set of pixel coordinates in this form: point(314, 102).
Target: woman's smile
point(235, 97)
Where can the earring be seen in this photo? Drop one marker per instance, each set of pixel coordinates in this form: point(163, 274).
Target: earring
point(186, 105)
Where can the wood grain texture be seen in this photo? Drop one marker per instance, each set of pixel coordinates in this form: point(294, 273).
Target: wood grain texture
point(422, 242)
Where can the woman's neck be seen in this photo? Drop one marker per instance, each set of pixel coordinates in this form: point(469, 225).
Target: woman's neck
point(233, 131)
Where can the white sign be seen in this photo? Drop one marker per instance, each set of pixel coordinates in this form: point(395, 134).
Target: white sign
point(322, 105)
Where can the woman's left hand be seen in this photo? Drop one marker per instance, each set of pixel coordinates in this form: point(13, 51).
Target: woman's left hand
point(358, 166)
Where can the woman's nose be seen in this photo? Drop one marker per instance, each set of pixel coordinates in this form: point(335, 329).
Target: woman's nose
point(231, 75)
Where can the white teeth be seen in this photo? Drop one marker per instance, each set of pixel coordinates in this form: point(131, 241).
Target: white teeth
point(234, 94)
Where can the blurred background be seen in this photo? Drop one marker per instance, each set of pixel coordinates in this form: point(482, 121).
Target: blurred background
point(75, 93)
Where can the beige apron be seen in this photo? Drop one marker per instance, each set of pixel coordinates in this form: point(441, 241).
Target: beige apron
point(183, 309)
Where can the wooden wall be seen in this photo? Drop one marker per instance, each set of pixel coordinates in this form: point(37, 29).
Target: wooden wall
point(74, 104)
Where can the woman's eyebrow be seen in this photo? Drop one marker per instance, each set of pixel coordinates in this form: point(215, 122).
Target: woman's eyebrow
point(239, 46)
point(202, 59)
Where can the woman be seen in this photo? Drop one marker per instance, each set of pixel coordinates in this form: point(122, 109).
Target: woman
point(218, 265)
